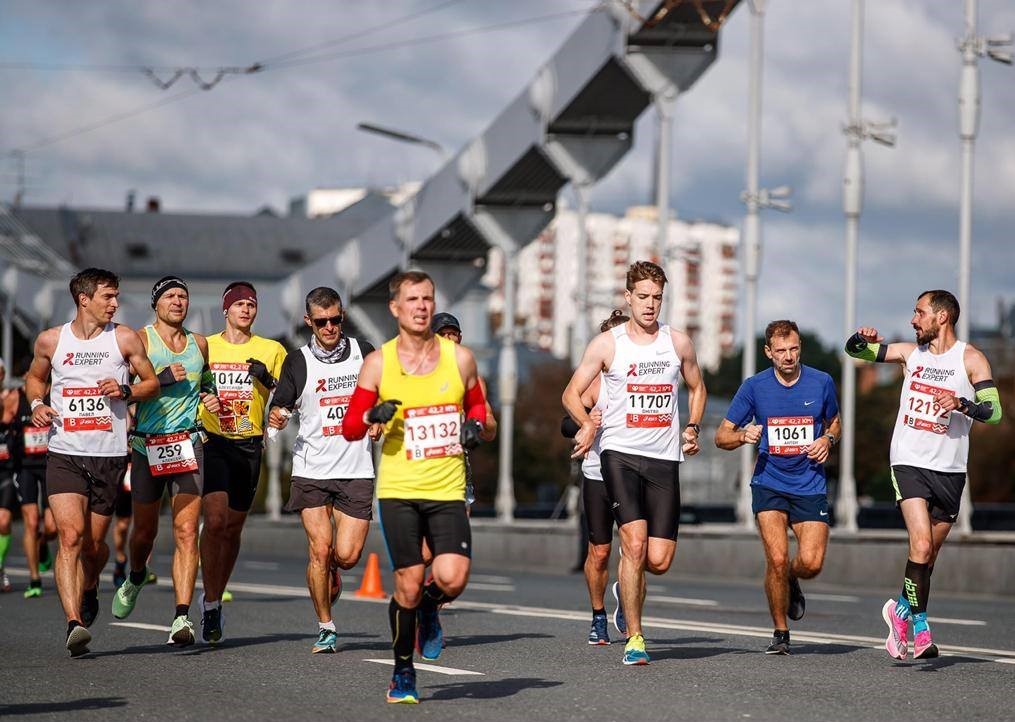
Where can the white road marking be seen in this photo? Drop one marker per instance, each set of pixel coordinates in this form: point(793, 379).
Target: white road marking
point(142, 625)
point(484, 587)
point(688, 601)
point(844, 598)
point(429, 667)
point(490, 579)
point(960, 622)
point(262, 566)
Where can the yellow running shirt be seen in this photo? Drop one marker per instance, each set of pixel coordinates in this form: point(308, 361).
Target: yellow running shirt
point(241, 397)
point(422, 453)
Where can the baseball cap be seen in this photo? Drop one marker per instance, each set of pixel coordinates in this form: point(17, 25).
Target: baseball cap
point(444, 320)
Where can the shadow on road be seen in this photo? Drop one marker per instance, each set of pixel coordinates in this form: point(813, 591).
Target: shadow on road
point(73, 705)
point(227, 643)
point(935, 665)
point(474, 639)
point(685, 652)
point(492, 689)
point(826, 648)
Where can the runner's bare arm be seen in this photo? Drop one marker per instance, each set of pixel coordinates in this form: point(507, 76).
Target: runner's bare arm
point(697, 395)
point(729, 436)
point(208, 393)
point(596, 359)
point(37, 378)
point(133, 350)
point(866, 345)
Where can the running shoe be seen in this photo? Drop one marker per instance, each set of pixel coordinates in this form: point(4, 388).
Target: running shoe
point(227, 596)
point(327, 642)
point(126, 597)
point(599, 635)
point(780, 642)
point(182, 632)
point(119, 574)
point(152, 578)
point(45, 558)
point(618, 614)
point(34, 589)
point(5, 583)
point(797, 603)
point(77, 641)
point(336, 582)
point(402, 689)
point(211, 623)
point(897, 643)
point(923, 646)
point(430, 634)
point(89, 607)
point(634, 651)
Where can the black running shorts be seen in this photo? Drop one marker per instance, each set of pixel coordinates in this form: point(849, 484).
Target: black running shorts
point(643, 488)
point(233, 466)
point(147, 487)
point(942, 490)
point(598, 514)
point(405, 524)
point(96, 477)
point(31, 483)
point(352, 497)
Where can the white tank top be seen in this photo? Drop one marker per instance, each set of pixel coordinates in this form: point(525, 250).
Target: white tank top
point(87, 422)
point(591, 468)
point(923, 437)
point(640, 386)
point(320, 451)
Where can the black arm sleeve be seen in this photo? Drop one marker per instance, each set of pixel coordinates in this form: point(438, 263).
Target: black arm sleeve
point(291, 381)
point(365, 347)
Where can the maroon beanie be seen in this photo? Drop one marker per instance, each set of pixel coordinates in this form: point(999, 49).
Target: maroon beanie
point(238, 291)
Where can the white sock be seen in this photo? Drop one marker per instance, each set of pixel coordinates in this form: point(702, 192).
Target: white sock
point(212, 605)
point(330, 626)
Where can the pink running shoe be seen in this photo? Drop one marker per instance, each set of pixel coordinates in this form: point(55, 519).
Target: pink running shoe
point(897, 643)
point(923, 646)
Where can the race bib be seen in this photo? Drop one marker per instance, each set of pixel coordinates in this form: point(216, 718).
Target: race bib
point(789, 435)
point(333, 410)
point(86, 409)
point(36, 440)
point(5, 452)
point(923, 412)
point(649, 406)
point(432, 432)
point(235, 393)
point(170, 454)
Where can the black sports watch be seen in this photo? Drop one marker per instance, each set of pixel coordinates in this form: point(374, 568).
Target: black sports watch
point(697, 429)
point(125, 392)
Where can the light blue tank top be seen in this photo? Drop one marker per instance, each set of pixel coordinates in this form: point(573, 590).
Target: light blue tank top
point(175, 409)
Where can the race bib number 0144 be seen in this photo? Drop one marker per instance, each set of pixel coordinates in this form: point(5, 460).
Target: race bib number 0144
point(432, 432)
point(86, 409)
point(789, 435)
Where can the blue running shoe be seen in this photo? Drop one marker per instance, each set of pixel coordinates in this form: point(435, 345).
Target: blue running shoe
point(327, 642)
point(599, 635)
point(634, 652)
point(402, 689)
point(430, 634)
point(618, 614)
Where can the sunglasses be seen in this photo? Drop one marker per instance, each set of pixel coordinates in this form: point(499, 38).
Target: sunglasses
point(333, 320)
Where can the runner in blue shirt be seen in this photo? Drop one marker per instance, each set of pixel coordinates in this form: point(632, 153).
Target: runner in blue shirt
point(791, 413)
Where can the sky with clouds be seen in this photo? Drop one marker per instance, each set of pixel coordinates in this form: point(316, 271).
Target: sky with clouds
point(263, 138)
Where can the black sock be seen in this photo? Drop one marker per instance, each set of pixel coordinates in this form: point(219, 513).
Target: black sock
point(33, 583)
point(92, 594)
point(599, 612)
point(182, 610)
point(433, 597)
point(917, 586)
point(403, 634)
point(137, 578)
point(71, 624)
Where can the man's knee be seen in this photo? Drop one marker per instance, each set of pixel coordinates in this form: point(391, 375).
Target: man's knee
point(599, 556)
point(921, 549)
point(349, 557)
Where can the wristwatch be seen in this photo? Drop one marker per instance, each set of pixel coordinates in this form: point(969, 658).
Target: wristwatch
point(697, 429)
point(831, 439)
point(125, 392)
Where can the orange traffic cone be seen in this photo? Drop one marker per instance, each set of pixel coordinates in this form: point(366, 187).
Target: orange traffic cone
point(371, 586)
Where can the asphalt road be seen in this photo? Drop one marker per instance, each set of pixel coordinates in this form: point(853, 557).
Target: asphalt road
point(516, 651)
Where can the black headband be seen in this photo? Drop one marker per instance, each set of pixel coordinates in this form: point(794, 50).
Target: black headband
point(165, 284)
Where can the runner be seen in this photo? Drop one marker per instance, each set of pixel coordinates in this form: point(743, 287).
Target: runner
point(797, 423)
point(245, 368)
point(332, 479)
point(418, 385)
point(947, 385)
point(596, 503)
point(168, 453)
point(30, 446)
point(8, 488)
point(88, 360)
point(642, 440)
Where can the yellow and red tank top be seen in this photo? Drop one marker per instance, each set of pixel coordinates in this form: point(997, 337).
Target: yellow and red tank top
point(422, 456)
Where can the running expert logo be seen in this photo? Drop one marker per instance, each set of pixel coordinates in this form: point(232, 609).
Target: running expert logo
point(335, 383)
point(85, 358)
point(929, 373)
point(646, 368)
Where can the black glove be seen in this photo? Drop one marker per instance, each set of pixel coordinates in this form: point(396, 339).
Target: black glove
point(383, 412)
point(471, 431)
point(259, 371)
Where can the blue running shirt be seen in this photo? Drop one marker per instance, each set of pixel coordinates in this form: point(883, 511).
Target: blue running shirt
point(793, 417)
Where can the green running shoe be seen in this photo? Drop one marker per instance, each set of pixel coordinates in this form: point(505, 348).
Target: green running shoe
point(634, 652)
point(182, 632)
point(45, 558)
point(126, 597)
point(34, 589)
